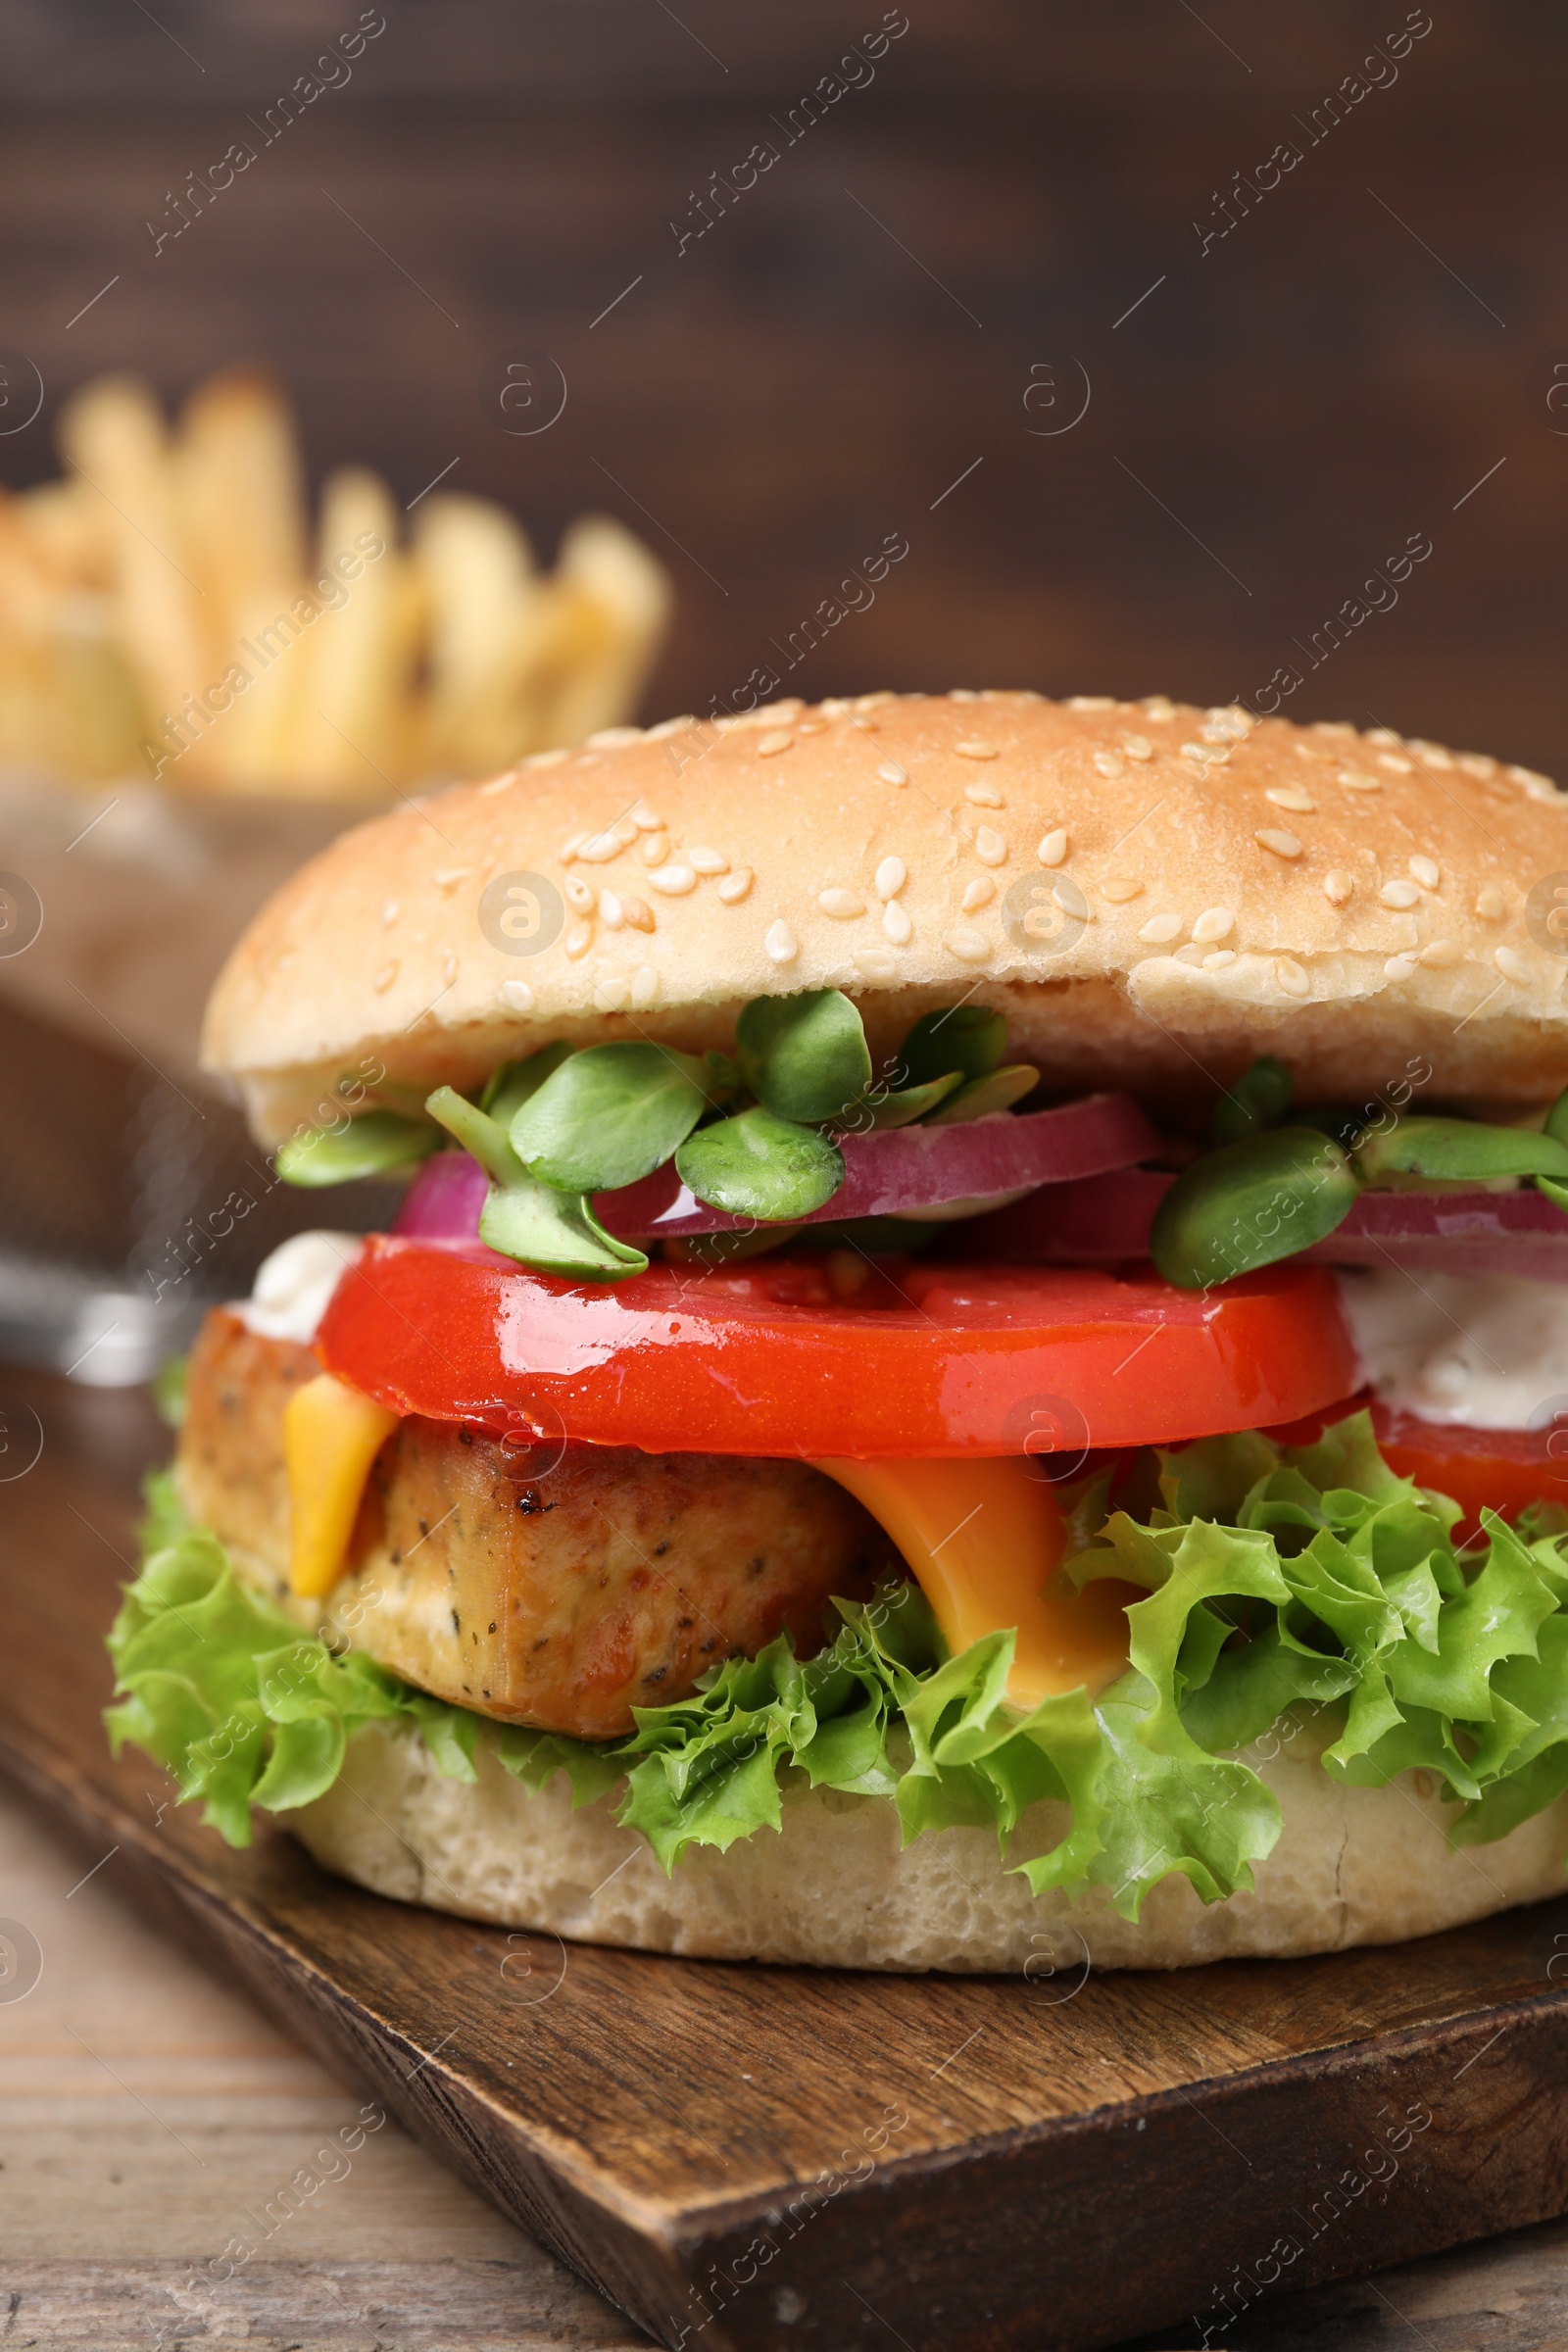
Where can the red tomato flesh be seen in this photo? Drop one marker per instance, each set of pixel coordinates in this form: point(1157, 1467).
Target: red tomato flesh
point(1482, 1469)
point(928, 1359)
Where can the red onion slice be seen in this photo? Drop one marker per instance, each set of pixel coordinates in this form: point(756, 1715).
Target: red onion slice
point(1446, 1233)
point(902, 1169)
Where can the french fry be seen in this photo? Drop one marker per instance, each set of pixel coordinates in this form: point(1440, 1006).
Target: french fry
point(486, 613)
point(242, 512)
point(113, 433)
point(624, 583)
point(354, 672)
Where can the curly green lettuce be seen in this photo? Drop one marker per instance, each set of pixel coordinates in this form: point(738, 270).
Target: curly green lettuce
point(1278, 1584)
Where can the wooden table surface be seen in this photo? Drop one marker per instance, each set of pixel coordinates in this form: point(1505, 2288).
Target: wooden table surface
point(147, 2115)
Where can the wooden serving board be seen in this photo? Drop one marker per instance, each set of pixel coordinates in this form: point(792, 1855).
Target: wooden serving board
point(747, 2157)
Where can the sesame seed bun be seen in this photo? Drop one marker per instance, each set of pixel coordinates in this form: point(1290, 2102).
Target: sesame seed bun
point(837, 1888)
point(1151, 893)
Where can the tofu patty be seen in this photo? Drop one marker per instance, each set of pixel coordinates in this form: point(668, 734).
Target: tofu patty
point(557, 1594)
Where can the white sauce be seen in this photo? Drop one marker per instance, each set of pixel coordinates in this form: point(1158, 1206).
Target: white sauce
point(293, 1285)
point(1490, 1349)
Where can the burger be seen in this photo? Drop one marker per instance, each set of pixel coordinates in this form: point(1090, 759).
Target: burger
point(968, 1372)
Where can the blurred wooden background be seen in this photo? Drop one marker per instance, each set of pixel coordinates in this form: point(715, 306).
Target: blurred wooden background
point(860, 328)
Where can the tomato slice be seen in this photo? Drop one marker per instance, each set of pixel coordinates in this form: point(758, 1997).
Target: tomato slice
point(928, 1359)
point(1500, 1468)
point(1482, 1469)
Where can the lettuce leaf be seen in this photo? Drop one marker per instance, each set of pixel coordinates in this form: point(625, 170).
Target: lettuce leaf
point(1278, 1584)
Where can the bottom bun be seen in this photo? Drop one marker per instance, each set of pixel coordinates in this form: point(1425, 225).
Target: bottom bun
point(835, 1890)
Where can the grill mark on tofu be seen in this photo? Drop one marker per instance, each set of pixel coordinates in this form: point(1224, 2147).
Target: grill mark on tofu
point(617, 1574)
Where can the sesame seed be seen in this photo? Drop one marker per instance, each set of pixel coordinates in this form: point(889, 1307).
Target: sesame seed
point(1333, 726)
point(778, 739)
point(978, 893)
point(842, 904)
point(1357, 779)
point(835, 706)
point(707, 862)
point(895, 924)
point(1159, 706)
point(385, 977)
point(1511, 965)
point(624, 830)
point(597, 849)
point(390, 911)
point(962, 693)
point(1440, 951)
point(989, 846)
point(891, 876)
point(1383, 735)
point(735, 886)
point(555, 758)
point(1489, 902)
point(1119, 888)
point(568, 849)
point(780, 945)
point(1337, 887)
point(892, 773)
point(1399, 894)
point(578, 894)
point(810, 727)
point(611, 739)
point(1189, 954)
point(1291, 795)
point(578, 940)
point(449, 968)
point(969, 946)
point(975, 747)
point(874, 702)
point(487, 792)
point(1476, 763)
point(517, 995)
point(644, 986)
point(1395, 764)
point(1138, 747)
point(1283, 845)
point(667, 727)
point(612, 911)
point(451, 875)
point(1220, 957)
point(1424, 870)
point(1291, 976)
point(1160, 929)
point(1215, 922)
point(1431, 754)
point(653, 849)
point(635, 911)
point(877, 963)
point(672, 881)
point(1399, 967)
point(1109, 763)
point(1092, 702)
point(1308, 750)
point(1539, 787)
point(643, 817)
point(1053, 847)
point(984, 795)
point(612, 993)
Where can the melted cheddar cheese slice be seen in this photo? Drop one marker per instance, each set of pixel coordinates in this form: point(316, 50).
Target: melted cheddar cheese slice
point(331, 1435)
point(983, 1541)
